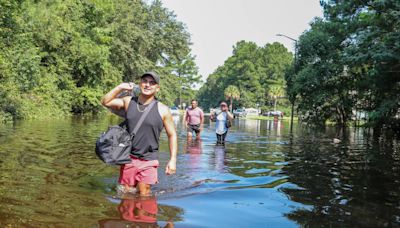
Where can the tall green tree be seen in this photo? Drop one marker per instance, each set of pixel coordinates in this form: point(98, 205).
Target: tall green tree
point(252, 69)
point(322, 82)
point(60, 57)
point(371, 54)
point(349, 62)
point(276, 92)
point(188, 77)
point(232, 93)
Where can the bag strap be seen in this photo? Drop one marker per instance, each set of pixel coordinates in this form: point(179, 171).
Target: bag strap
point(139, 123)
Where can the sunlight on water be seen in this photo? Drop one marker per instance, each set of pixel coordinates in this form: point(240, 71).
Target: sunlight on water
point(263, 176)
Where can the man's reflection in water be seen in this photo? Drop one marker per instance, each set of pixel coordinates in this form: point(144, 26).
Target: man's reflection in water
point(194, 150)
point(136, 211)
point(194, 146)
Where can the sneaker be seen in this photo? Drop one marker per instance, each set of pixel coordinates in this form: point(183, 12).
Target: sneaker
point(131, 190)
point(121, 189)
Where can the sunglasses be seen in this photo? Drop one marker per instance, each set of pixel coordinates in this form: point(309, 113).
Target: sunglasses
point(223, 105)
point(151, 82)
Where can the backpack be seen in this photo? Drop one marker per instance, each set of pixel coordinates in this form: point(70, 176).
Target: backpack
point(228, 123)
point(114, 146)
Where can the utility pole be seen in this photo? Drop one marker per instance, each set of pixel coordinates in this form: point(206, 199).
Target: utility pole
point(294, 68)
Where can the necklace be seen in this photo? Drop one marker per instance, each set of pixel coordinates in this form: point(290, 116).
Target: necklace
point(138, 108)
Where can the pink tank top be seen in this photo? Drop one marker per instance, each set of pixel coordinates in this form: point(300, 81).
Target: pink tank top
point(193, 116)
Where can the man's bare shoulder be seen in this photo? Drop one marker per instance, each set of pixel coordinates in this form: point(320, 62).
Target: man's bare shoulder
point(163, 108)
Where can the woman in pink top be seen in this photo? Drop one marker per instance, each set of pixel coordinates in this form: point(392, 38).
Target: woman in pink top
point(194, 117)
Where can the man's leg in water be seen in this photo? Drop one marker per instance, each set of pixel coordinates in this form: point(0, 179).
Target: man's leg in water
point(144, 189)
point(127, 182)
point(147, 176)
point(189, 132)
point(198, 134)
point(136, 172)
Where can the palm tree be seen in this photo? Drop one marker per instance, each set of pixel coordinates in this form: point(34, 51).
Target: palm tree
point(232, 92)
point(276, 92)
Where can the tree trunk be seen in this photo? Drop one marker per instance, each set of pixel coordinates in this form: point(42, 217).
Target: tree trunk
point(231, 104)
point(180, 100)
point(180, 91)
point(291, 117)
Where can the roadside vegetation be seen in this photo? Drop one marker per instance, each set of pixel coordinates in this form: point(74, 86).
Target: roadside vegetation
point(348, 65)
point(58, 58)
point(346, 69)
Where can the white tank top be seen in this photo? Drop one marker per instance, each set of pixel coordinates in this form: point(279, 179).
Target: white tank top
point(220, 123)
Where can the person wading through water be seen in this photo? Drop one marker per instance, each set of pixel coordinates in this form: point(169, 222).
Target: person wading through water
point(141, 173)
point(221, 122)
point(194, 118)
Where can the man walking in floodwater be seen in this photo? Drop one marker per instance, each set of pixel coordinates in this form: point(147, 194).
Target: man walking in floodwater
point(194, 118)
point(141, 173)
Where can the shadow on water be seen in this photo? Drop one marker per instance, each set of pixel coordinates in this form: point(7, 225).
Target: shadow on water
point(50, 176)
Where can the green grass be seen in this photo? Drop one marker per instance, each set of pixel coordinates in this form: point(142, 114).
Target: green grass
point(286, 118)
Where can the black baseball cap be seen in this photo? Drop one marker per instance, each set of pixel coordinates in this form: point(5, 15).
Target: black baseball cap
point(153, 75)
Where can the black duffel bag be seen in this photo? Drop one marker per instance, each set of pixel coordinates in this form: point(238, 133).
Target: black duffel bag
point(114, 146)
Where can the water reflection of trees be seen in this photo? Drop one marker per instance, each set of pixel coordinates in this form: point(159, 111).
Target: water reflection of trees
point(248, 125)
point(50, 175)
point(355, 183)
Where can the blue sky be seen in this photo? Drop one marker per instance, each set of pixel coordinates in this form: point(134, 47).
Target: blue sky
point(216, 25)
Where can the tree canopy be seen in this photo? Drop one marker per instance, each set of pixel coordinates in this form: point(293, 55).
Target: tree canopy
point(60, 57)
point(349, 62)
point(232, 93)
point(252, 69)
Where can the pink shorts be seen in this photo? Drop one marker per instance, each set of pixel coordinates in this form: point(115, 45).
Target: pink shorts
point(139, 171)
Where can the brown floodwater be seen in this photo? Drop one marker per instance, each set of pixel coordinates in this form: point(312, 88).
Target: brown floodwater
point(263, 177)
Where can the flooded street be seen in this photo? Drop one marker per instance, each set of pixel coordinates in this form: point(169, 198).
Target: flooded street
point(262, 177)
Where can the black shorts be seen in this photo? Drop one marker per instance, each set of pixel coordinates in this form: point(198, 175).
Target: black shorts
point(195, 128)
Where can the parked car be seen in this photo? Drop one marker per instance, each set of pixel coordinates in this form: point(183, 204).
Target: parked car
point(174, 110)
point(239, 112)
point(273, 113)
point(252, 112)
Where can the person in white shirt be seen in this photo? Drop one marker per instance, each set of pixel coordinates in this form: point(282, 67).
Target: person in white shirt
point(221, 122)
